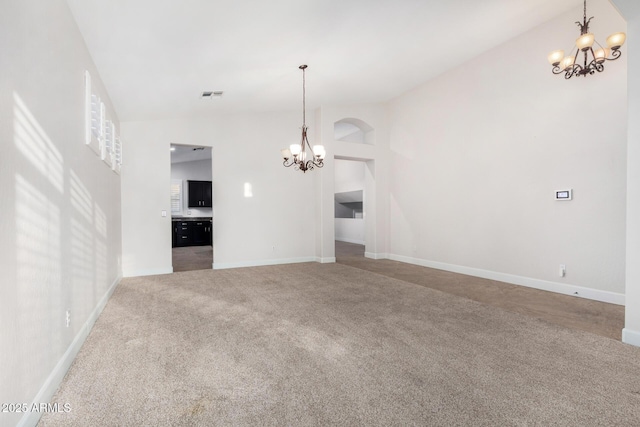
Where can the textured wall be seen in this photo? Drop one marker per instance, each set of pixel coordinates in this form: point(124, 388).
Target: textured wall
point(478, 152)
point(60, 245)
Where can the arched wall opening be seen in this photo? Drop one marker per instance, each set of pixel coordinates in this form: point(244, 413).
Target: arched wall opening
point(353, 130)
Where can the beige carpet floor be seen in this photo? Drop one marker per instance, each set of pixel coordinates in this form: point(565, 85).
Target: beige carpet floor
point(565, 310)
point(328, 344)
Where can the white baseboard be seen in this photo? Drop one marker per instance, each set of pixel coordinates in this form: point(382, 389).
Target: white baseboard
point(326, 260)
point(148, 272)
point(54, 379)
point(225, 265)
point(561, 288)
point(631, 337)
point(347, 240)
point(374, 255)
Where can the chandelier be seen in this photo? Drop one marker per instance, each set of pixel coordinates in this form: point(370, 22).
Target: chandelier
point(593, 60)
point(296, 154)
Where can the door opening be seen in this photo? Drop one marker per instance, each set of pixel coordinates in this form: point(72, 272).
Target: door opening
point(349, 206)
point(191, 208)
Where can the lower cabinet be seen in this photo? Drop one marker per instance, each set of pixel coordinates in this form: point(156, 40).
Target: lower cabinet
point(191, 233)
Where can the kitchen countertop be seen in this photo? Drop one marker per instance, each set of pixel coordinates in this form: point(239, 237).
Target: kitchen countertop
point(191, 218)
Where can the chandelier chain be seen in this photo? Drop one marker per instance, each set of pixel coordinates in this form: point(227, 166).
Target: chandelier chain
point(304, 97)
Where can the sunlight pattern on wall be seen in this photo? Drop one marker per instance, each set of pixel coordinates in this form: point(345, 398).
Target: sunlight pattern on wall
point(101, 270)
point(100, 221)
point(38, 254)
point(81, 197)
point(36, 146)
point(81, 260)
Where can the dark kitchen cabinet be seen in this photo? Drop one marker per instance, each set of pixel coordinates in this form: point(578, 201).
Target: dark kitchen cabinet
point(191, 232)
point(201, 233)
point(199, 194)
point(181, 233)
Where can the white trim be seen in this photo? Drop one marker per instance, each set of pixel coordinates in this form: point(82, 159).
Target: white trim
point(374, 255)
point(225, 265)
point(148, 272)
point(54, 379)
point(347, 240)
point(326, 260)
point(561, 288)
point(631, 337)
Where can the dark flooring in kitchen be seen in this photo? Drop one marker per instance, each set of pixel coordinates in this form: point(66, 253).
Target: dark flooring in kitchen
point(191, 258)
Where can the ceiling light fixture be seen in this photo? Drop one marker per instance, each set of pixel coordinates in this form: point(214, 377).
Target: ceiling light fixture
point(296, 154)
point(567, 64)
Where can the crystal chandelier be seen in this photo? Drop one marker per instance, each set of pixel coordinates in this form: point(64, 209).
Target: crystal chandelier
point(593, 62)
point(296, 154)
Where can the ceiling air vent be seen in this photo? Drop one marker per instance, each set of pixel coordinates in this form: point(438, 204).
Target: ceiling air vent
point(211, 94)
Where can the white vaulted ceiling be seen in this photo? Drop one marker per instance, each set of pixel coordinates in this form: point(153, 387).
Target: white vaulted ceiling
point(156, 56)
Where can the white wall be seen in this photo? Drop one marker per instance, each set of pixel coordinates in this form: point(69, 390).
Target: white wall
point(349, 175)
point(197, 170)
point(350, 230)
point(269, 227)
point(60, 219)
point(478, 152)
point(631, 332)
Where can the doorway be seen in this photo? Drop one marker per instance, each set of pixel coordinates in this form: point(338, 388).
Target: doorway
point(349, 207)
point(191, 208)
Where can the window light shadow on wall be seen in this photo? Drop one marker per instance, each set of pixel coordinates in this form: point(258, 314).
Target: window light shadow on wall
point(38, 239)
point(32, 141)
point(45, 234)
point(38, 270)
point(101, 221)
point(81, 242)
point(81, 197)
point(353, 130)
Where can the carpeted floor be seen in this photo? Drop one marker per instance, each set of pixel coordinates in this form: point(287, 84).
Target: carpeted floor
point(328, 344)
point(565, 310)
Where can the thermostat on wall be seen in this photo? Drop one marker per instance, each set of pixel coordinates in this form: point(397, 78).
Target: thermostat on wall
point(564, 194)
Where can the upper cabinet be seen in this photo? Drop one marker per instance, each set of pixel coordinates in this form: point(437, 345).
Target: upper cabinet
point(200, 194)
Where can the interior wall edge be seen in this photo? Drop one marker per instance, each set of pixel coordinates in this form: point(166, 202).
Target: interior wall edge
point(147, 272)
point(260, 263)
point(631, 337)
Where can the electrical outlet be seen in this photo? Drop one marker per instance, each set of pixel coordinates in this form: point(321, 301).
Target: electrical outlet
point(563, 270)
point(68, 318)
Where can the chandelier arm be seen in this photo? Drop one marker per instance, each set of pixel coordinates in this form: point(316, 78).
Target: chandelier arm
point(557, 70)
point(575, 69)
point(615, 54)
point(599, 67)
